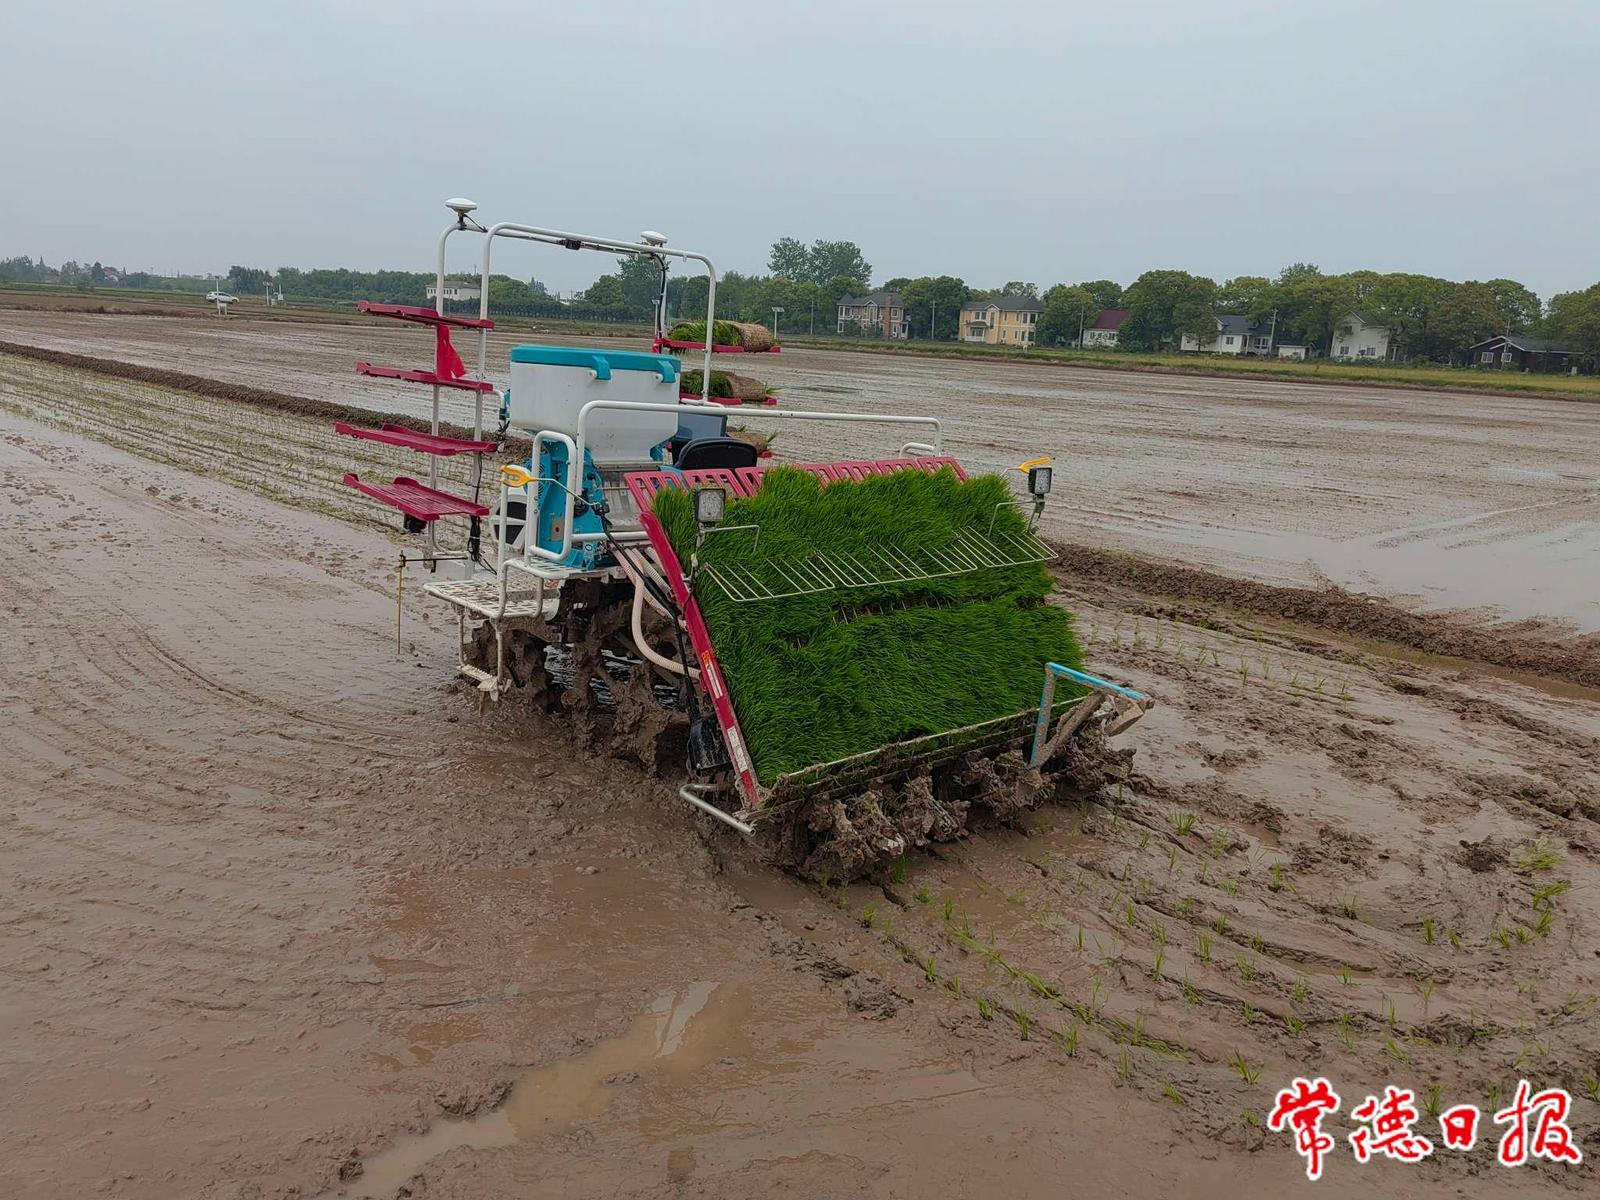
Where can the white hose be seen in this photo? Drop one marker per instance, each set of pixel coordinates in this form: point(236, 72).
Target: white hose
point(640, 595)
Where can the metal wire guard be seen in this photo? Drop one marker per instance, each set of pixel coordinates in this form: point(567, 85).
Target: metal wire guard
point(877, 565)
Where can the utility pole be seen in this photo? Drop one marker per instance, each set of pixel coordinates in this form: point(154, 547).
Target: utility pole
point(813, 318)
point(933, 319)
point(1272, 335)
point(1083, 315)
point(776, 309)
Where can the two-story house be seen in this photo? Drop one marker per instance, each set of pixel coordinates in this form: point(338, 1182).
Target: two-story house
point(879, 315)
point(1001, 320)
point(1358, 337)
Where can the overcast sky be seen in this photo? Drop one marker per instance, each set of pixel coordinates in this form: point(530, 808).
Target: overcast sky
point(1046, 141)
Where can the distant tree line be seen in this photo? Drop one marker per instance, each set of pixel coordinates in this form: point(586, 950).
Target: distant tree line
point(1429, 318)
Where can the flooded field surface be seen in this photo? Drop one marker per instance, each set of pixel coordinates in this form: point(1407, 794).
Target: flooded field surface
point(1438, 500)
point(290, 916)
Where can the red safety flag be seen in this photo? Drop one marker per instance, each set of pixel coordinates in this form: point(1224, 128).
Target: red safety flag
point(447, 362)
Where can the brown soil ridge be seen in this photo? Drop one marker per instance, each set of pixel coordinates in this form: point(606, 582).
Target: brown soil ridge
point(217, 389)
point(1336, 611)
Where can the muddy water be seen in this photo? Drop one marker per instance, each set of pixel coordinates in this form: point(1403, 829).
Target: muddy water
point(1444, 501)
point(680, 1033)
point(282, 904)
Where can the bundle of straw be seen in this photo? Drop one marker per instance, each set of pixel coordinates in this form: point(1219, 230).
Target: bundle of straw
point(748, 334)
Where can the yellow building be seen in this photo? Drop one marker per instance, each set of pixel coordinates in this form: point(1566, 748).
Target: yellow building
point(1001, 320)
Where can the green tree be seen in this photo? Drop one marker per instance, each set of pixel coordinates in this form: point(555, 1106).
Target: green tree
point(1165, 305)
point(1247, 296)
point(246, 280)
point(1408, 305)
point(1468, 315)
point(1574, 318)
point(834, 260)
point(1311, 306)
point(607, 291)
point(1517, 305)
point(1067, 311)
point(938, 299)
point(790, 259)
point(1106, 293)
point(1017, 287)
point(641, 281)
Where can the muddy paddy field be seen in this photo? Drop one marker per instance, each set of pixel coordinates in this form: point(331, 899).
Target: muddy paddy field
point(288, 916)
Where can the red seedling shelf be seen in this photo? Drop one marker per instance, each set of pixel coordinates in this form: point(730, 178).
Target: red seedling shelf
point(715, 349)
point(398, 435)
point(433, 377)
point(416, 499)
point(422, 316)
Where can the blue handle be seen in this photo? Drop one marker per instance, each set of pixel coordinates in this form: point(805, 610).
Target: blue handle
point(1094, 681)
point(600, 367)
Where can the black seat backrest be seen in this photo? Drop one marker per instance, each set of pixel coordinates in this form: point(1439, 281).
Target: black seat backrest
point(693, 426)
point(715, 452)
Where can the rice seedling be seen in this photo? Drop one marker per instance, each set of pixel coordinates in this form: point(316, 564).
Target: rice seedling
point(1258, 944)
point(1430, 1100)
point(954, 984)
point(1344, 976)
point(1591, 1087)
point(1189, 994)
point(985, 1009)
point(1080, 937)
point(922, 895)
point(897, 872)
point(795, 707)
point(1131, 916)
point(1389, 1005)
point(1246, 1072)
point(1493, 1093)
point(1231, 886)
point(1182, 822)
point(1186, 907)
point(1277, 872)
point(1204, 944)
point(1172, 1093)
point(929, 971)
point(1347, 1031)
point(869, 916)
point(1024, 1023)
point(1347, 906)
point(1300, 991)
point(1393, 1050)
point(1295, 1025)
point(1427, 930)
point(1220, 841)
point(1251, 1118)
point(1522, 933)
point(949, 907)
point(1455, 939)
point(1248, 1010)
point(1502, 936)
point(1537, 856)
point(1544, 896)
point(1172, 859)
point(1220, 924)
point(1247, 969)
point(1159, 931)
point(1546, 920)
point(1069, 1040)
point(1155, 969)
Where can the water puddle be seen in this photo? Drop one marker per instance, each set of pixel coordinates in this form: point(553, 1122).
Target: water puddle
point(682, 1031)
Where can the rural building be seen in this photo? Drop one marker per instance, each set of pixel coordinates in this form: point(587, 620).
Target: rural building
point(1519, 353)
point(1358, 337)
point(1108, 323)
point(456, 291)
point(1001, 320)
point(881, 314)
point(1291, 350)
point(1235, 335)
